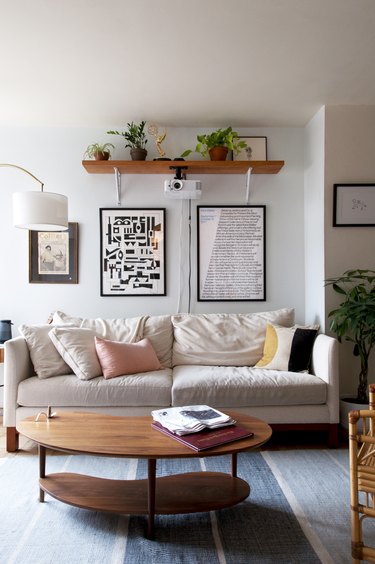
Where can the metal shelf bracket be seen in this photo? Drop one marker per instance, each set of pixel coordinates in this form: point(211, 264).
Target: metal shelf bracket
point(248, 180)
point(118, 184)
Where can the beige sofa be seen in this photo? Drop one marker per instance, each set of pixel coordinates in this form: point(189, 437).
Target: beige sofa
point(205, 358)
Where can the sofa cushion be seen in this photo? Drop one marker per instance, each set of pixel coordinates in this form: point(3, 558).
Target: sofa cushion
point(46, 360)
point(77, 348)
point(157, 328)
point(118, 359)
point(288, 348)
point(226, 339)
point(224, 386)
point(150, 389)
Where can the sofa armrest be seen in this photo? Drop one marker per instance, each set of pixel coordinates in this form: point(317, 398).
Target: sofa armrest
point(17, 367)
point(325, 365)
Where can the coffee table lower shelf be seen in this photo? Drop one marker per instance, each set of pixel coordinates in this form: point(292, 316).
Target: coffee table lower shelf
point(193, 492)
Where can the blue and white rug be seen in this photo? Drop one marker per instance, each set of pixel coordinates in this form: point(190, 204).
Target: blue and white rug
point(297, 512)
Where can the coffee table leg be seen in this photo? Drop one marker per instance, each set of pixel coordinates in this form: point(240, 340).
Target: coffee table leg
point(42, 468)
point(234, 465)
point(151, 497)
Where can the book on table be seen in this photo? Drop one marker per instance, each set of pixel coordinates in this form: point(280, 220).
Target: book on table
point(207, 438)
point(191, 418)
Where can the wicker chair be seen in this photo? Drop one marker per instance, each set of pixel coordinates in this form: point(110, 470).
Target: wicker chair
point(362, 476)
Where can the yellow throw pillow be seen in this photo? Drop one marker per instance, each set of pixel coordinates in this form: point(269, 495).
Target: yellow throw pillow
point(288, 348)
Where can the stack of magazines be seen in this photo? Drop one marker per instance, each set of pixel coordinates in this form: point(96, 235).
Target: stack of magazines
point(191, 419)
point(198, 426)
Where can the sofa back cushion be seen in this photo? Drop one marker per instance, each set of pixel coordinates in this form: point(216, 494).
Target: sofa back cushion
point(224, 339)
point(157, 328)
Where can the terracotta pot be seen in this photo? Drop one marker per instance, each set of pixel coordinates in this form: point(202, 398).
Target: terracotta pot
point(101, 156)
point(218, 153)
point(138, 154)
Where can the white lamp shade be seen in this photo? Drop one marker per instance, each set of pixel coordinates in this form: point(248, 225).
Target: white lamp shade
point(40, 211)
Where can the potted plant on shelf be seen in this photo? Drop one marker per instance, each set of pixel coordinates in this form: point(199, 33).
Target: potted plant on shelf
point(135, 138)
point(354, 320)
point(98, 151)
point(217, 144)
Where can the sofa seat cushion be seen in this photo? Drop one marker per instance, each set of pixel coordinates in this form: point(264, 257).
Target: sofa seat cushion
point(243, 386)
point(151, 388)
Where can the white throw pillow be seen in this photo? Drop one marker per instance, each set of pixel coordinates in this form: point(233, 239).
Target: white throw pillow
point(45, 358)
point(77, 347)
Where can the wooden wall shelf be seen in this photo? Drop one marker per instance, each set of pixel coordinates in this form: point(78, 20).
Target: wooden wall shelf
point(194, 167)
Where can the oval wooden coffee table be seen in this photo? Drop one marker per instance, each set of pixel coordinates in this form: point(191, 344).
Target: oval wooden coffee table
point(133, 437)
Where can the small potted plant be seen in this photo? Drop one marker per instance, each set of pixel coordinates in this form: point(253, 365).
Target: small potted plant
point(217, 144)
point(135, 138)
point(354, 320)
point(98, 151)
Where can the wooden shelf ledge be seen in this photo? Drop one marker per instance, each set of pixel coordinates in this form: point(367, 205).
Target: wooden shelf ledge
point(193, 167)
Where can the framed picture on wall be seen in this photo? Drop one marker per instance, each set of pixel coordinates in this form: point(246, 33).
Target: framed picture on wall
point(231, 253)
point(353, 205)
point(132, 252)
point(53, 256)
point(256, 149)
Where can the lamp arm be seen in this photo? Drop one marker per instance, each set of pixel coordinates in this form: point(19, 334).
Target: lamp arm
point(24, 170)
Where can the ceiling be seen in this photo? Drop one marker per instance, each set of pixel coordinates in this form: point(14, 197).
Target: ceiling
point(211, 63)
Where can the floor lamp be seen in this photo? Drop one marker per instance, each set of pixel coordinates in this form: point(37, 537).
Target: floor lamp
point(39, 211)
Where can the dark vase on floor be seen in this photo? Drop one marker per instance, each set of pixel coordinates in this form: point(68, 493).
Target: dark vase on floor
point(5, 330)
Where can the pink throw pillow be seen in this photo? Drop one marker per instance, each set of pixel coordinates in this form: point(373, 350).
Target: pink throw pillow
point(118, 359)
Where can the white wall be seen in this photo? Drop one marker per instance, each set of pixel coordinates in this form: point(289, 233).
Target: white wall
point(314, 219)
point(54, 155)
point(349, 158)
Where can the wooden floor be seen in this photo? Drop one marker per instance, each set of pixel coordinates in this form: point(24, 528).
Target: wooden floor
point(279, 441)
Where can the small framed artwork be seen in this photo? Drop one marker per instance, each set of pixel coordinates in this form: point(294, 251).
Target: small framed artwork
point(353, 205)
point(256, 149)
point(53, 256)
point(231, 253)
point(132, 252)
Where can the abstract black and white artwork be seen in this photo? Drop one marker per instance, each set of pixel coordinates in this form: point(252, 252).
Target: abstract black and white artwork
point(132, 254)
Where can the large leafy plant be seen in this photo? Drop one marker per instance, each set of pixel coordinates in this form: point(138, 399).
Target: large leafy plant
point(219, 138)
point(354, 319)
point(134, 135)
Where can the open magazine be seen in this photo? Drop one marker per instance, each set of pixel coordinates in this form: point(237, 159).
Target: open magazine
point(191, 418)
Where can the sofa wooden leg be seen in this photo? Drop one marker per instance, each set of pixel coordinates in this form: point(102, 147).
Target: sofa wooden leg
point(12, 439)
point(333, 436)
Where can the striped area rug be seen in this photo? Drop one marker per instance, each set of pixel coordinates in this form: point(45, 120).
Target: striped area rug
point(297, 512)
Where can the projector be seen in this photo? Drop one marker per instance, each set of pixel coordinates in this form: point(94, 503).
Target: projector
point(183, 189)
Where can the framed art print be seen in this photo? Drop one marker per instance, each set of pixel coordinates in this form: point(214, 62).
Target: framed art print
point(256, 149)
point(132, 252)
point(231, 253)
point(53, 256)
point(353, 205)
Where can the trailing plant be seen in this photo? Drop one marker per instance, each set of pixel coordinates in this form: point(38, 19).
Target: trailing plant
point(354, 319)
point(95, 149)
point(219, 138)
point(134, 135)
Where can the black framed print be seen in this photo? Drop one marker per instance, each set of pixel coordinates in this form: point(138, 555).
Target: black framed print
point(132, 252)
point(53, 256)
point(255, 150)
point(353, 205)
point(231, 253)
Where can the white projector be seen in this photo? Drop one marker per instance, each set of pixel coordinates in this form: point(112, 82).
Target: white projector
point(183, 189)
